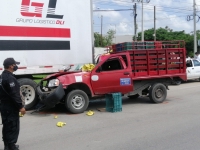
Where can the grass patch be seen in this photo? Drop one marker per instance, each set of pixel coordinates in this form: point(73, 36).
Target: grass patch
point(38, 78)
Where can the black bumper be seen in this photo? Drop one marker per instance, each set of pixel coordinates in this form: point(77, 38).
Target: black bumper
point(50, 99)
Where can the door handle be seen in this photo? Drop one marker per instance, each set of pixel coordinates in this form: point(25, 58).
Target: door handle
point(126, 73)
point(192, 68)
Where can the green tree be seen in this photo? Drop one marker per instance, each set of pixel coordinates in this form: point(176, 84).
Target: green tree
point(97, 39)
point(167, 34)
point(102, 41)
point(109, 37)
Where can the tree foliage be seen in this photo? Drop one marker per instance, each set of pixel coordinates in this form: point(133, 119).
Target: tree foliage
point(167, 34)
point(104, 40)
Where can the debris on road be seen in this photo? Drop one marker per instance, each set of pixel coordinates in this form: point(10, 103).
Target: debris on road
point(90, 113)
point(101, 109)
point(61, 124)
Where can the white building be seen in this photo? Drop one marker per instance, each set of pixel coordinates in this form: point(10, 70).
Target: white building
point(122, 38)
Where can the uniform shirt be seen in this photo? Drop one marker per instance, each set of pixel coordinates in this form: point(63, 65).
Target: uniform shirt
point(12, 87)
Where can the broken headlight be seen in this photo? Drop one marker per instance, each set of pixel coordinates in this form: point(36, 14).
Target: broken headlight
point(53, 83)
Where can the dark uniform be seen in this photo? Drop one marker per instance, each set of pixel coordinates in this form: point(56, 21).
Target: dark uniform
point(11, 103)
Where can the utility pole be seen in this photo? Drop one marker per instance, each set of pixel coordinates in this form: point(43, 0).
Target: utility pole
point(142, 21)
point(195, 33)
point(135, 24)
point(115, 33)
point(101, 30)
point(142, 1)
point(154, 23)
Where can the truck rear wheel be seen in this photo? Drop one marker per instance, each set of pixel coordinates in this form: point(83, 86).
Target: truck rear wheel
point(77, 101)
point(158, 93)
point(27, 87)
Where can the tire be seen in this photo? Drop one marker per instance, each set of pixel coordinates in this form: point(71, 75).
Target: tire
point(77, 101)
point(133, 96)
point(178, 82)
point(158, 93)
point(27, 87)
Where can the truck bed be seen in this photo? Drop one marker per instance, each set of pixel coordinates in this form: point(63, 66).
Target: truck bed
point(166, 61)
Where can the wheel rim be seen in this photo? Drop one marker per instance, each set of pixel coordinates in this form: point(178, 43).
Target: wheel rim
point(159, 93)
point(78, 101)
point(28, 93)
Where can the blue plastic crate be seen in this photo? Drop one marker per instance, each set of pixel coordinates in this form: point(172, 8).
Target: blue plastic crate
point(140, 45)
point(114, 102)
point(119, 49)
point(119, 45)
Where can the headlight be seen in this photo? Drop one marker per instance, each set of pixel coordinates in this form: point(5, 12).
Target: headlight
point(53, 83)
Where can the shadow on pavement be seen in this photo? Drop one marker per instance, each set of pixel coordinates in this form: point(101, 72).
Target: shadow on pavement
point(186, 82)
point(93, 105)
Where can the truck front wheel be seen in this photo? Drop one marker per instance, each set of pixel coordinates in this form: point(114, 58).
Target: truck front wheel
point(158, 93)
point(27, 87)
point(77, 101)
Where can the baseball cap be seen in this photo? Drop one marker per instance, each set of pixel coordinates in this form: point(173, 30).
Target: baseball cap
point(10, 61)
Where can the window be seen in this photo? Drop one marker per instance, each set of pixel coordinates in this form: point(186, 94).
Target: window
point(112, 64)
point(196, 63)
point(189, 63)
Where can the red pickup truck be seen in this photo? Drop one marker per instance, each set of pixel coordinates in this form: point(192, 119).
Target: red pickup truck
point(133, 72)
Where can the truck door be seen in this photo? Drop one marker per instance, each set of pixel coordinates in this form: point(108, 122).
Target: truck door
point(190, 69)
point(112, 75)
point(196, 68)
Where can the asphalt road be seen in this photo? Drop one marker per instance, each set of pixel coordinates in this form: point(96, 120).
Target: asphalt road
point(172, 125)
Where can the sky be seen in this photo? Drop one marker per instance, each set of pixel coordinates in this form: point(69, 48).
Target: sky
point(171, 13)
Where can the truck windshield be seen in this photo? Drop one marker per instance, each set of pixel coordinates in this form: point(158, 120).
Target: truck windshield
point(196, 63)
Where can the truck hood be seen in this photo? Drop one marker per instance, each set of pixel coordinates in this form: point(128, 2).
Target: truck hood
point(55, 75)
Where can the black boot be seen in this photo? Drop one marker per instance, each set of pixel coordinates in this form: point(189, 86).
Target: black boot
point(13, 147)
point(6, 147)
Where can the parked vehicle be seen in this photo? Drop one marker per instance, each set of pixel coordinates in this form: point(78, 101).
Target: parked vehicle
point(45, 35)
point(133, 72)
point(192, 70)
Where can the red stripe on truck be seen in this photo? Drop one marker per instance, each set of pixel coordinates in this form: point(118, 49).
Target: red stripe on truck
point(1, 69)
point(48, 66)
point(34, 32)
point(22, 68)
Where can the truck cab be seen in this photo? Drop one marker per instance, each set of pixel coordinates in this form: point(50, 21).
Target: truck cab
point(114, 74)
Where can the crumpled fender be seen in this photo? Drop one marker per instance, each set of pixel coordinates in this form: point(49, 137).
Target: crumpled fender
point(78, 77)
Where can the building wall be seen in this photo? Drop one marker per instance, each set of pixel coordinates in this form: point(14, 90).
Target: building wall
point(122, 38)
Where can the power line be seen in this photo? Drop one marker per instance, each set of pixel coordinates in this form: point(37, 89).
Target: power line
point(112, 10)
point(157, 19)
point(179, 8)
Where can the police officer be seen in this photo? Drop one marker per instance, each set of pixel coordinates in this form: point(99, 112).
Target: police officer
point(11, 105)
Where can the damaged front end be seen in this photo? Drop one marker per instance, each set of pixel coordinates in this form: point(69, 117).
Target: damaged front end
point(50, 92)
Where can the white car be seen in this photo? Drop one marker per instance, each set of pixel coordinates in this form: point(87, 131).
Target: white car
point(193, 70)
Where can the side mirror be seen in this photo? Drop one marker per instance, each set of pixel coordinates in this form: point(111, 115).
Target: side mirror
point(188, 65)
